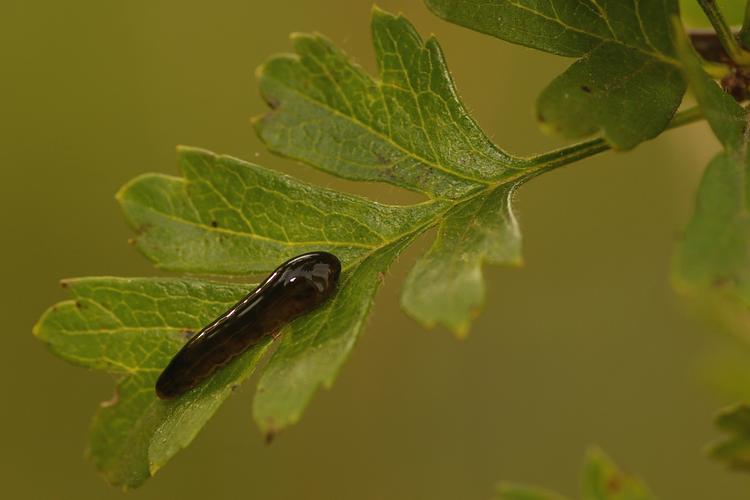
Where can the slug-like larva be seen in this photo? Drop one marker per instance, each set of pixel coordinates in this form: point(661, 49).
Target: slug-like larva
point(296, 287)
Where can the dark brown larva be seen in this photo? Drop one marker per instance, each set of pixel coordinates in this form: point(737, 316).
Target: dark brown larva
point(298, 286)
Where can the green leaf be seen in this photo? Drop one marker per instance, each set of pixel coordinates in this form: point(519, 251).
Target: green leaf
point(446, 285)
point(735, 449)
point(131, 328)
point(713, 255)
point(602, 480)
point(627, 82)
point(713, 259)
point(408, 128)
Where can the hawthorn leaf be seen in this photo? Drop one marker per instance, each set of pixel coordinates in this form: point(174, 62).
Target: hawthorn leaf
point(626, 82)
point(602, 480)
point(713, 254)
point(131, 327)
point(734, 450)
point(407, 128)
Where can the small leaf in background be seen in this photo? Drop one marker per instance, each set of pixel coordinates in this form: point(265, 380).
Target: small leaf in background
point(734, 450)
point(714, 257)
point(713, 254)
point(602, 480)
point(625, 52)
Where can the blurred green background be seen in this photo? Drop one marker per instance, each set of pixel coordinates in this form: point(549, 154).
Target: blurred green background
point(587, 344)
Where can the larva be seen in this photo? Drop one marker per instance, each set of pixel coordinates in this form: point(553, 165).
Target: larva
point(298, 286)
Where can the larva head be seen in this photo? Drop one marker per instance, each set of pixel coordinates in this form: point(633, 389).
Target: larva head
point(310, 279)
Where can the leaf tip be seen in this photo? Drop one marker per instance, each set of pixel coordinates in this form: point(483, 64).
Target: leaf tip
point(260, 71)
point(153, 468)
point(36, 330)
point(380, 15)
point(377, 10)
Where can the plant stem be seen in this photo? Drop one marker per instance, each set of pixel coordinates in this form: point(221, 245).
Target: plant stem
point(570, 154)
point(744, 34)
point(724, 32)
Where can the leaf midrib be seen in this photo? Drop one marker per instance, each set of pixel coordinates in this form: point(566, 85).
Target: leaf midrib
point(255, 236)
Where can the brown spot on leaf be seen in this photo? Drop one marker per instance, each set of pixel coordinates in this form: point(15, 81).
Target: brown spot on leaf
point(272, 102)
point(214, 223)
point(586, 89)
point(614, 484)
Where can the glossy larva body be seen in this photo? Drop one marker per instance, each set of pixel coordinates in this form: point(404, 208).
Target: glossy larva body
point(296, 287)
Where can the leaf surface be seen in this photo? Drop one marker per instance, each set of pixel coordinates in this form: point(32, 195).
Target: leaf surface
point(626, 82)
